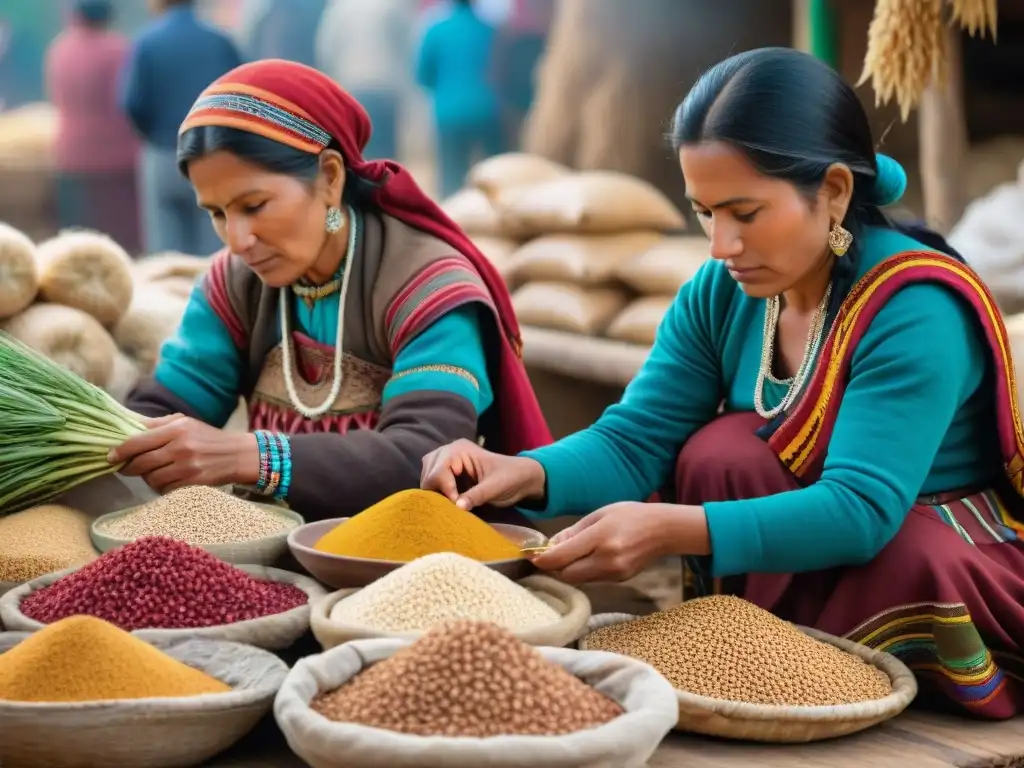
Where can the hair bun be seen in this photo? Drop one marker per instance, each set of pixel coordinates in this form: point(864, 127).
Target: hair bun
point(890, 183)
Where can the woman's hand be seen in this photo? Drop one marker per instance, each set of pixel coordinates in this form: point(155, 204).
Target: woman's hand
point(617, 542)
point(498, 480)
point(176, 451)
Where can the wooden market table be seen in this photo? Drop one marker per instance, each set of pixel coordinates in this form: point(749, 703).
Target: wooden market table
point(915, 740)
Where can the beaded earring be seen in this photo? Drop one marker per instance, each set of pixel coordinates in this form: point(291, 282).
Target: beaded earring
point(839, 239)
point(334, 220)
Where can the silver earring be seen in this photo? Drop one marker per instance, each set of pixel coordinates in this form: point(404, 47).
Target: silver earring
point(334, 222)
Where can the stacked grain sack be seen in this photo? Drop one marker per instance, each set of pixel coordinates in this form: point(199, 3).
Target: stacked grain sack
point(27, 169)
point(561, 238)
point(656, 275)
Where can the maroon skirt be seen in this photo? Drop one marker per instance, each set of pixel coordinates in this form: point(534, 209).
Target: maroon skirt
point(945, 595)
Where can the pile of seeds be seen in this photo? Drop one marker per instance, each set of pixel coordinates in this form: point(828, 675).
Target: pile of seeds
point(468, 679)
point(198, 515)
point(440, 588)
point(42, 540)
point(161, 583)
point(85, 659)
point(727, 648)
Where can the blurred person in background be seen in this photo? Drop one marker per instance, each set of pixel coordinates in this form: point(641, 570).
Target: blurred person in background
point(454, 65)
point(282, 29)
point(96, 153)
point(171, 63)
point(367, 48)
point(522, 36)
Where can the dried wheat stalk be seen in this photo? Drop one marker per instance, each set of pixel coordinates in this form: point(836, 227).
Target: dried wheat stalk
point(906, 51)
point(976, 16)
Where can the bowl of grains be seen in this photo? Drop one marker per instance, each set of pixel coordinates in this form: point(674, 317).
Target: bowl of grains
point(163, 589)
point(82, 692)
point(230, 528)
point(42, 540)
point(444, 587)
point(742, 673)
point(468, 694)
point(350, 552)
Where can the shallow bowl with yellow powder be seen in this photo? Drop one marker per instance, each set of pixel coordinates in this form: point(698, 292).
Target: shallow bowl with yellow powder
point(343, 572)
point(153, 732)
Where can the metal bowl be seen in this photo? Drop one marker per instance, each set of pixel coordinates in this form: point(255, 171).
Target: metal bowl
point(349, 572)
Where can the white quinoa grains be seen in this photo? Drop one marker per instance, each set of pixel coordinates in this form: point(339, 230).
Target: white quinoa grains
point(468, 679)
point(42, 540)
point(727, 648)
point(439, 588)
point(198, 515)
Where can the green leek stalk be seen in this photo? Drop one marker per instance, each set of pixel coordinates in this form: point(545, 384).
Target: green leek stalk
point(56, 429)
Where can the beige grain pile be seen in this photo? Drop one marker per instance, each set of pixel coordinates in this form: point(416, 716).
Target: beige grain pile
point(439, 588)
point(727, 648)
point(468, 679)
point(42, 540)
point(198, 515)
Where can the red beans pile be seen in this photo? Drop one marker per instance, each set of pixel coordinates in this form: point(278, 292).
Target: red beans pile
point(160, 583)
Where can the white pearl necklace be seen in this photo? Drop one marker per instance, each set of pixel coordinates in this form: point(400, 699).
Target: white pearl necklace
point(814, 338)
point(311, 412)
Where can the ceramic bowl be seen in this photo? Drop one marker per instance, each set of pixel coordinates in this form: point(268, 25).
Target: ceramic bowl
point(350, 572)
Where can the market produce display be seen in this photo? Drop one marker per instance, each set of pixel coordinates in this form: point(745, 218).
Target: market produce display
point(727, 648)
point(198, 515)
point(42, 540)
point(414, 523)
point(82, 659)
point(439, 588)
point(468, 679)
point(55, 428)
point(160, 583)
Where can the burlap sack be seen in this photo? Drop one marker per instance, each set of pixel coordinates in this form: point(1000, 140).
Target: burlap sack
point(572, 605)
point(638, 323)
point(570, 308)
point(663, 269)
point(627, 742)
point(589, 260)
point(513, 169)
point(146, 733)
point(70, 337)
point(497, 250)
point(274, 633)
point(474, 213)
point(595, 202)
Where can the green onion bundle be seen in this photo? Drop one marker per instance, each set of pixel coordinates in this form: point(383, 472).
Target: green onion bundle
point(56, 429)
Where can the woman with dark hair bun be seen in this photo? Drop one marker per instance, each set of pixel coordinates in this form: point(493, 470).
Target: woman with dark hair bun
point(830, 403)
point(360, 325)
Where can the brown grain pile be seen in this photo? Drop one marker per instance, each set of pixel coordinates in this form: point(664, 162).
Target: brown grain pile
point(42, 540)
point(468, 678)
point(727, 648)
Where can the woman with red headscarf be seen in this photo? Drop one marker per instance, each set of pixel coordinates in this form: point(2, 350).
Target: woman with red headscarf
point(360, 325)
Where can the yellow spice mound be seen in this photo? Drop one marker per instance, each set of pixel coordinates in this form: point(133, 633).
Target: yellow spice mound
point(413, 524)
point(82, 658)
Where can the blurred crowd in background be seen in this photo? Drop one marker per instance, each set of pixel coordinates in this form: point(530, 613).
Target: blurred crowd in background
point(451, 80)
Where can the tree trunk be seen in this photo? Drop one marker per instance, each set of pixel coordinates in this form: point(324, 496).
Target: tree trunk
point(943, 136)
point(615, 71)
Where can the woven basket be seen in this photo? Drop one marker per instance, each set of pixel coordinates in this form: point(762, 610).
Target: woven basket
point(274, 633)
point(786, 724)
point(146, 733)
point(572, 604)
point(266, 551)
